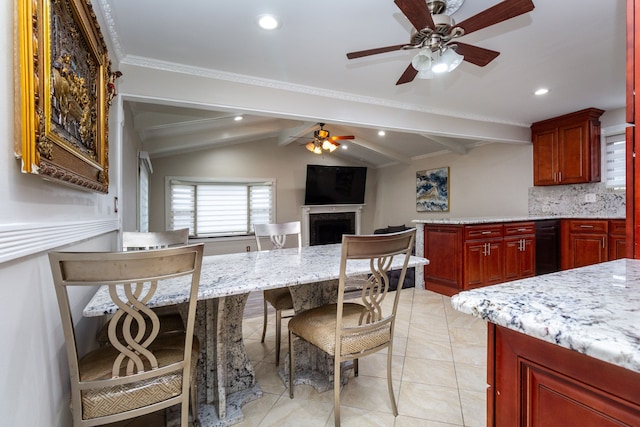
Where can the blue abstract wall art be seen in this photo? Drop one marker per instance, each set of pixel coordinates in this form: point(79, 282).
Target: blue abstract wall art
point(432, 190)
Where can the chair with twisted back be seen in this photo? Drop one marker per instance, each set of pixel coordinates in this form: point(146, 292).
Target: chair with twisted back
point(140, 371)
point(351, 330)
point(280, 299)
point(144, 240)
point(137, 240)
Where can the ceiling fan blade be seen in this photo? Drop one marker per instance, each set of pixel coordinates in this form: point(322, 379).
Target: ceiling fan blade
point(360, 54)
point(338, 138)
point(500, 12)
point(409, 74)
point(476, 55)
point(416, 12)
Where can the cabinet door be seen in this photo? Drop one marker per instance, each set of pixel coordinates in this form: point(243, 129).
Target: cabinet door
point(519, 258)
point(544, 157)
point(538, 384)
point(493, 263)
point(474, 264)
point(587, 249)
point(573, 161)
point(528, 257)
point(483, 263)
point(443, 249)
point(617, 239)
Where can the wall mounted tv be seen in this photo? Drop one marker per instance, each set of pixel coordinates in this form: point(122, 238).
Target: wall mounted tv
point(335, 185)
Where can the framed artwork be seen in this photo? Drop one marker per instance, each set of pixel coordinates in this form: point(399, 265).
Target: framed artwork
point(432, 190)
point(63, 93)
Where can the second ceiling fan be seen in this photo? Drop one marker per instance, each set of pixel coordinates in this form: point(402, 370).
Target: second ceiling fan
point(323, 141)
point(435, 33)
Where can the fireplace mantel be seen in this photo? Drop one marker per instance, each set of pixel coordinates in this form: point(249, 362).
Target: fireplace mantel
point(315, 209)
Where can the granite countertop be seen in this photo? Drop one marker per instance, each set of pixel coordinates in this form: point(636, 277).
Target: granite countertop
point(494, 219)
point(593, 310)
point(244, 272)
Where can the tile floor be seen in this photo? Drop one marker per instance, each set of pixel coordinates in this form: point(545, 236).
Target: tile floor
point(439, 374)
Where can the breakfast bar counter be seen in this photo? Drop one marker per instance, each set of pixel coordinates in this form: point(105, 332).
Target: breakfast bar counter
point(563, 344)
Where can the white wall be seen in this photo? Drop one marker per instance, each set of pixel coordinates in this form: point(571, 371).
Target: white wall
point(37, 216)
point(260, 159)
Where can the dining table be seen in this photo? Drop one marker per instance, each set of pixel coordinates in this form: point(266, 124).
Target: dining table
point(226, 377)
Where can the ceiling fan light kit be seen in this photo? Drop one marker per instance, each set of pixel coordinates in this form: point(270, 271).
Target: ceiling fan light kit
point(435, 33)
point(322, 141)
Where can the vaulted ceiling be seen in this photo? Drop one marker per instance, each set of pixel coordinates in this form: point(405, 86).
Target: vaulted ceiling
point(575, 48)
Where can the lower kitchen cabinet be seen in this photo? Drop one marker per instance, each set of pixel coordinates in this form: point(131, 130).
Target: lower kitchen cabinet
point(519, 250)
point(483, 255)
point(617, 239)
point(443, 249)
point(584, 242)
point(464, 257)
point(539, 384)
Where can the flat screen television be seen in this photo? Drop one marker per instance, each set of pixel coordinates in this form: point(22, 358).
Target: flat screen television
point(335, 185)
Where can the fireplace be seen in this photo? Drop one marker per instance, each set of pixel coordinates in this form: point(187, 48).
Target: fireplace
point(327, 228)
point(325, 224)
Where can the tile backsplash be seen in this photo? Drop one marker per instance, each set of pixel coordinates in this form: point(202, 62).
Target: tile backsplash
point(579, 200)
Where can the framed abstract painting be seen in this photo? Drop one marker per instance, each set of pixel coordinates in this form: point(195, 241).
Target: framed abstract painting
point(432, 190)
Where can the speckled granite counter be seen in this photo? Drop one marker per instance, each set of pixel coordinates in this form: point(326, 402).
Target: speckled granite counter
point(592, 310)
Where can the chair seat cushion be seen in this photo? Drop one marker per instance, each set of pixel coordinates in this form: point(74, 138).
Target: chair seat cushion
point(279, 298)
point(98, 365)
point(318, 326)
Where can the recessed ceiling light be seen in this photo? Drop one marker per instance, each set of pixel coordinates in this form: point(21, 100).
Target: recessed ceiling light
point(541, 91)
point(381, 133)
point(268, 22)
point(344, 147)
point(238, 118)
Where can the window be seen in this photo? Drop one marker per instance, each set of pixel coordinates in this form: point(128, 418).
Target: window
point(219, 208)
point(144, 171)
point(615, 161)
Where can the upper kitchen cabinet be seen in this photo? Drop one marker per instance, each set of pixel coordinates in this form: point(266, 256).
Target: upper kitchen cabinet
point(566, 149)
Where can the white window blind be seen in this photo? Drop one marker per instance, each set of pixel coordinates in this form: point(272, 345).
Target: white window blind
point(616, 158)
point(220, 208)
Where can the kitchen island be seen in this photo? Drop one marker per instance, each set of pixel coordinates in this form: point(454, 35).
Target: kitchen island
point(468, 253)
point(562, 347)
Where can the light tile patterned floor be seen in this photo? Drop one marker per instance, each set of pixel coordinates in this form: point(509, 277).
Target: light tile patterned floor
point(439, 372)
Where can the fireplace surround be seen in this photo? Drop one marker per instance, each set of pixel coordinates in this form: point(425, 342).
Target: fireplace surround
point(324, 224)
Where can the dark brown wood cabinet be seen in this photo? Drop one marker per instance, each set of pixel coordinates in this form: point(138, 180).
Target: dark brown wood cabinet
point(483, 255)
point(617, 239)
point(539, 384)
point(566, 149)
point(584, 242)
point(443, 249)
point(519, 250)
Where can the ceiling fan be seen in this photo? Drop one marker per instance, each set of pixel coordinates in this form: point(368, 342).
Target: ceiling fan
point(435, 34)
point(323, 141)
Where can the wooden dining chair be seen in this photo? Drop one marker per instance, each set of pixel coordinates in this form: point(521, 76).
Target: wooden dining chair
point(280, 299)
point(351, 330)
point(144, 240)
point(140, 371)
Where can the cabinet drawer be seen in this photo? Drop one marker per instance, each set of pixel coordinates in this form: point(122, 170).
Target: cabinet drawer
point(519, 228)
point(617, 227)
point(484, 231)
point(588, 226)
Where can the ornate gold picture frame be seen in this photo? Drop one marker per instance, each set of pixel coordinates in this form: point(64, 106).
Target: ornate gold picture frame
point(62, 104)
